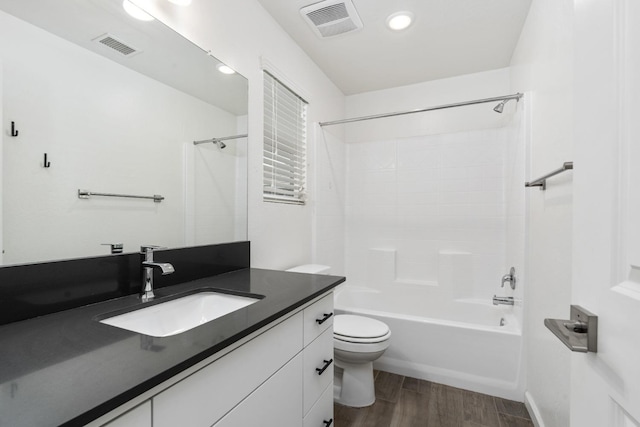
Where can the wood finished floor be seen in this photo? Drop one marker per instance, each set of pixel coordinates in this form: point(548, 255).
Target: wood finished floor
point(408, 402)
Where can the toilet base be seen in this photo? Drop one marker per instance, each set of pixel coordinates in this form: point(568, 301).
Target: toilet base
point(353, 384)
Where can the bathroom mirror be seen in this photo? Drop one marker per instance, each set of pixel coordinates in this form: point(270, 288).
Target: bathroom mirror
point(95, 100)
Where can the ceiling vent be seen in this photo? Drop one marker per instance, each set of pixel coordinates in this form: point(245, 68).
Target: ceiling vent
point(117, 45)
point(330, 18)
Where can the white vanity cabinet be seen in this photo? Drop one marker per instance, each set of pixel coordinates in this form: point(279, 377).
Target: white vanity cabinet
point(318, 363)
point(321, 414)
point(206, 396)
point(140, 416)
point(275, 403)
point(281, 377)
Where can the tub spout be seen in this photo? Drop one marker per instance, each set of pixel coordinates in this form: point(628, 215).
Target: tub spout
point(502, 300)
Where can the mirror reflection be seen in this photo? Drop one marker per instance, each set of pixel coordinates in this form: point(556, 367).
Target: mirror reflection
point(115, 104)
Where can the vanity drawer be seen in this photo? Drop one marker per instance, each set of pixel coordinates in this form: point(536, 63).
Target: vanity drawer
point(321, 415)
point(140, 416)
point(317, 318)
point(205, 396)
point(275, 403)
point(318, 368)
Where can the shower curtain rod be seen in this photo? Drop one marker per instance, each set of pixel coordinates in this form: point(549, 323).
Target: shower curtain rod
point(516, 96)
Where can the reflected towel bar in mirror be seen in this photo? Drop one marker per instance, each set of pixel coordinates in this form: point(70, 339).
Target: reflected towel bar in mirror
point(85, 194)
point(217, 140)
point(542, 181)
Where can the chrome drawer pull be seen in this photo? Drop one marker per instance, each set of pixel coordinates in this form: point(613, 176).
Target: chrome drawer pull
point(324, 319)
point(324, 368)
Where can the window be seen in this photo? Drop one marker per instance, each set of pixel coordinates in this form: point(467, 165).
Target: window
point(285, 140)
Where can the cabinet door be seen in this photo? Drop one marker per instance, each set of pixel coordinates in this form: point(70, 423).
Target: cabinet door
point(321, 415)
point(140, 416)
point(275, 403)
point(203, 398)
point(318, 317)
point(318, 368)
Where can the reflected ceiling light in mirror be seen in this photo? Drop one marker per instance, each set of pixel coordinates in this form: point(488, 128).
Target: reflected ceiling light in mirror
point(136, 12)
point(181, 2)
point(225, 69)
point(400, 20)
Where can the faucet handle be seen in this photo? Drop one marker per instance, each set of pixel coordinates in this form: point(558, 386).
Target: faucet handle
point(150, 248)
point(509, 277)
point(116, 248)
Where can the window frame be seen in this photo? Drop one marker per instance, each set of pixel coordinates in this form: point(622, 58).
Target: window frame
point(285, 142)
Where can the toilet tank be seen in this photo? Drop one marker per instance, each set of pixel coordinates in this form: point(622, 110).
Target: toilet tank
point(311, 269)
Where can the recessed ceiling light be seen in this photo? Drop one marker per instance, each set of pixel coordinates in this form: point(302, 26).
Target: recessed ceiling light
point(225, 69)
point(399, 20)
point(181, 2)
point(136, 12)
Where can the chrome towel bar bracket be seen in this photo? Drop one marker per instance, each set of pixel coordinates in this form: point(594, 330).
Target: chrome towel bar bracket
point(542, 181)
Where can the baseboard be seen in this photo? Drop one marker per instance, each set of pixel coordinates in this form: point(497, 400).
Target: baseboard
point(533, 410)
point(490, 386)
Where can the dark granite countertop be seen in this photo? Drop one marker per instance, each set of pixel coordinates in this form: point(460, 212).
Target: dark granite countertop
point(67, 368)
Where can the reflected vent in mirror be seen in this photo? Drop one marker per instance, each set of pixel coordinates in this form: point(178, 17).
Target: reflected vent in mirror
point(332, 17)
point(117, 45)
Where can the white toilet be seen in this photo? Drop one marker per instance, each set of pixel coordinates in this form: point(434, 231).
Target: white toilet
point(357, 342)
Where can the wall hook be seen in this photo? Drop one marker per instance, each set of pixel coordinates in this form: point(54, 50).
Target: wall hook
point(14, 132)
point(46, 163)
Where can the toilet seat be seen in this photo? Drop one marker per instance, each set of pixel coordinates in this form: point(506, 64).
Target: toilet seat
point(358, 329)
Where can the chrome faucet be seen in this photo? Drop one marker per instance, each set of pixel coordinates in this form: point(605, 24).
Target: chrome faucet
point(502, 300)
point(147, 271)
point(509, 277)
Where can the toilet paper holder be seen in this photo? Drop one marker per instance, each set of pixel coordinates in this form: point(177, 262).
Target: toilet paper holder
point(579, 333)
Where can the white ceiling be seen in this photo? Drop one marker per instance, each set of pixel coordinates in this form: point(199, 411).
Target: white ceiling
point(448, 38)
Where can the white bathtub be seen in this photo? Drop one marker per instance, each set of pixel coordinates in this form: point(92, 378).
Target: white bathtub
point(455, 342)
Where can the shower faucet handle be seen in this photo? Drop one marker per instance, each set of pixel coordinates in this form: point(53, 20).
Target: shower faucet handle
point(510, 277)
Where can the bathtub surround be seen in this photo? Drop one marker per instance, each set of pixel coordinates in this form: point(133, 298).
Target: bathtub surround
point(455, 273)
point(425, 194)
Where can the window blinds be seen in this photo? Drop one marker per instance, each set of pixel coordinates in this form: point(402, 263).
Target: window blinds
point(285, 140)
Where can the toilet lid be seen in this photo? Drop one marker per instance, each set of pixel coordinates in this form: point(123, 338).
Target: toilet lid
point(351, 326)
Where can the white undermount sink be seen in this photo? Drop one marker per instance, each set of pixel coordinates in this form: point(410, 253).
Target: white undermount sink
point(181, 314)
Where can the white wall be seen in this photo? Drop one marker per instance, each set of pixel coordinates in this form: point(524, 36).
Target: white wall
point(105, 128)
point(542, 64)
point(240, 33)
